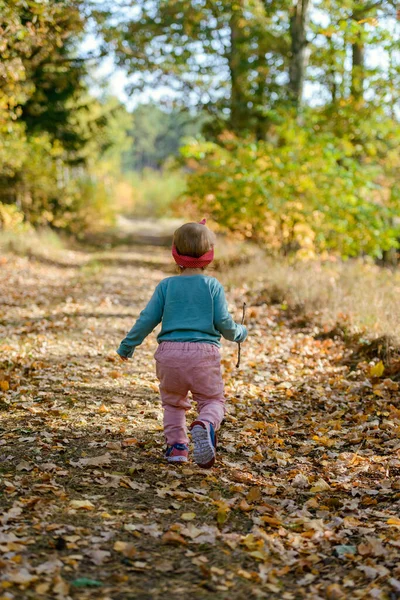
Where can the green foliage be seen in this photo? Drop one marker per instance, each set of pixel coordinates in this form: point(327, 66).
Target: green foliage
point(187, 46)
point(154, 194)
point(303, 190)
point(49, 192)
point(157, 135)
point(60, 149)
point(323, 179)
point(35, 36)
point(234, 59)
point(304, 172)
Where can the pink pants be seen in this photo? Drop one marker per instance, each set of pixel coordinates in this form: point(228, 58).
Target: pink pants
point(184, 367)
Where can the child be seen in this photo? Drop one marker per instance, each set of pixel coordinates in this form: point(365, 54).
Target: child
point(194, 315)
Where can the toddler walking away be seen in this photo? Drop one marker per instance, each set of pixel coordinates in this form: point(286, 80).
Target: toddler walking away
point(194, 315)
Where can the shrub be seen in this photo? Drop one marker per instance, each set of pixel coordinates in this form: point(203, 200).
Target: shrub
point(300, 191)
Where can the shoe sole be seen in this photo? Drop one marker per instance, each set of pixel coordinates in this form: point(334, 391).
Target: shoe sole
point(177, 459)
point(204, 451)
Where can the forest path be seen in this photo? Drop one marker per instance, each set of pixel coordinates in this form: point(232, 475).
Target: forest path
point(303, 501)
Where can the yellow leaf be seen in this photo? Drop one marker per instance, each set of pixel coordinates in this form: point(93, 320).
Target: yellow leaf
point(393, 521)
point(42, 588)
point(259, 555)
point(254, 495)
point(222, 515)
point(189, 516)
point(82, 504)
point(126, 548)
point(320, 486)
point(245, 574)
point(252, 543)
point(4, 385)
point(271, 521)
point(377, 370)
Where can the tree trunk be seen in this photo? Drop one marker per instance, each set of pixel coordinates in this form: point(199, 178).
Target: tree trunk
point(358, 49)
point(333, 86)
point(298, 53)
point(357, 68)
point(239, 111)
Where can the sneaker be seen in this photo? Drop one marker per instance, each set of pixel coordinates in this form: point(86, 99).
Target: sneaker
point(177, 453)
point(205, 443)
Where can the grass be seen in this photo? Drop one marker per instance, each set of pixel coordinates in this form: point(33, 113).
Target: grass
point(152, 193)
point(358, 294)
point(30, 242)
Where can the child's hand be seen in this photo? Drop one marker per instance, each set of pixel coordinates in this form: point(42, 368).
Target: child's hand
point(123, 358)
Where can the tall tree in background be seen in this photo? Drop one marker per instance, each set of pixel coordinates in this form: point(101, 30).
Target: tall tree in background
point(40, 74)
point(238, 68)
point(228, 58)
point(49, 123)
point(298, 48)
point(157, 135)
point(247, 59)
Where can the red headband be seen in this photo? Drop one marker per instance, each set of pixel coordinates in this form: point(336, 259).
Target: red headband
point(193, 262)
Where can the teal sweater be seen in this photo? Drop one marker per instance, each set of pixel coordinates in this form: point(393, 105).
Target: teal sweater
point(192, 308)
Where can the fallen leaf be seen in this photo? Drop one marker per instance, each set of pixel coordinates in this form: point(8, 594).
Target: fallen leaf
point(115, 374)
point(395, 583)
point(94, 461)
point(81, 504)
point(98, 556)
point(301, 481)
point(320, 486)
point(125, 548)
point(343, 550)
point(130, 442)
point(254, 495)
point(60, 586)
point(334, 592)
point(22, 577)
point(164, 566)
point(24, 466)
point(377, 370)
point(244, 506)
point(171, 537)
point(85, 582)
point(189, 516)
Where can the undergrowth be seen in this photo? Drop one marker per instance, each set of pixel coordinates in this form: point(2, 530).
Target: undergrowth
point(30, 241)
point(356, 300)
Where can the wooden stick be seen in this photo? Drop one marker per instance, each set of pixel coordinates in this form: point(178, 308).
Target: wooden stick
point(239, 345)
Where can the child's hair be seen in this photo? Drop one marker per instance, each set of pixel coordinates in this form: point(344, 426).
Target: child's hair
point(193, 239)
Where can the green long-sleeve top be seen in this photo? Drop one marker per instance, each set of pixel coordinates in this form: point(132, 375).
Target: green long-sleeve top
point(192, 308)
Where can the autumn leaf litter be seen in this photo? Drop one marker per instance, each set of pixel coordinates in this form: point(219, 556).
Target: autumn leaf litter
point(303, 502)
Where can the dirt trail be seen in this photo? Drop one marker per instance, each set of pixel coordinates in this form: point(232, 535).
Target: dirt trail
point(304, 501)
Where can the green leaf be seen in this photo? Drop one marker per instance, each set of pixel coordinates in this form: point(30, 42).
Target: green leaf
point(85, 582)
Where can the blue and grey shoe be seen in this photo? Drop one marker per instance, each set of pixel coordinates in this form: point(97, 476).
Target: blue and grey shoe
point(177, 453)
point(205, 443)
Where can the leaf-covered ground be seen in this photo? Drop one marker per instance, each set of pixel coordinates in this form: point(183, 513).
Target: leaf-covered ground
point(303, 502)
